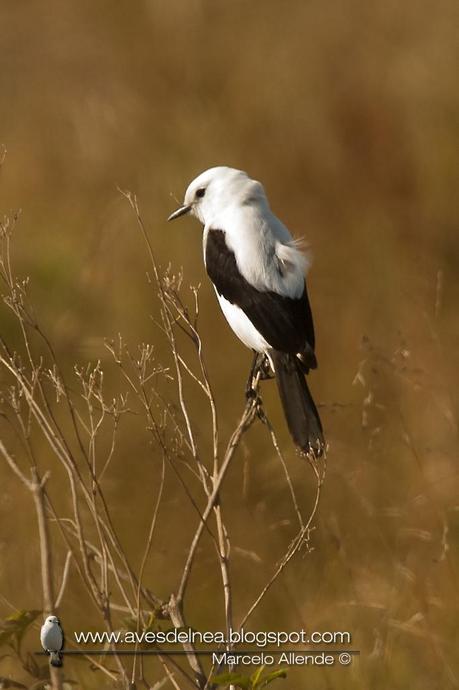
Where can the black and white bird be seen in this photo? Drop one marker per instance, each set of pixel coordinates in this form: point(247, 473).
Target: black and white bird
point(258, 272)
point(52, 639)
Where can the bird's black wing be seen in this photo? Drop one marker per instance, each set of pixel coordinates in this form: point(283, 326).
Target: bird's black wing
point(285, 323)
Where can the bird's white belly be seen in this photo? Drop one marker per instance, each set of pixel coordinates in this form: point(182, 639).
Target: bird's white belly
point(242, 326)
point(51, 638)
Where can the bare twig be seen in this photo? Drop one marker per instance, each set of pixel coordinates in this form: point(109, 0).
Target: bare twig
point(65, 575)
point(294, 547)
point(146, 554)
point(36, 486)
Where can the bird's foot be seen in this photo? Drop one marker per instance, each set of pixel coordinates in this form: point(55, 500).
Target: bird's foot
point(251, 393)
point(255, 399)
point(265, 369)
point(261, 371)
point(252, 396)
point(259, 410)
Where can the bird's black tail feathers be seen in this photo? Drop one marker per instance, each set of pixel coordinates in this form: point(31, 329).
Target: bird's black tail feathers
point(56, 659)
point(299, 408)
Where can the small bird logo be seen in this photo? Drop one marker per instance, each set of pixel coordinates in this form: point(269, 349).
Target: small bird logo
point(52, 639)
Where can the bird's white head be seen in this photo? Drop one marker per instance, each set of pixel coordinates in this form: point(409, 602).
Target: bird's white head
point(216, 190)
point(52, 620)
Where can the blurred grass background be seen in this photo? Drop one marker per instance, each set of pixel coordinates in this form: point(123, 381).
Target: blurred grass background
point(348, 114)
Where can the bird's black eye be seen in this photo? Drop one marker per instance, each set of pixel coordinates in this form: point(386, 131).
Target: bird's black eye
point(200, 192)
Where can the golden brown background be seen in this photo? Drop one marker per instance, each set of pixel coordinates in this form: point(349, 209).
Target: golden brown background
point(348, 114)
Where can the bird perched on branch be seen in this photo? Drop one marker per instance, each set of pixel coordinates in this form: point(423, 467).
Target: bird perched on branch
point(52, 639)
point(258, 272)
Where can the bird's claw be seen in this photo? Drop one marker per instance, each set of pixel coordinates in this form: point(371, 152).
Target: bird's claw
point(251, 394)
point(265, 369)
point(253, 397)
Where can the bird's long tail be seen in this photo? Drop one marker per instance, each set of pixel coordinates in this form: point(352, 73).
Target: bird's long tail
point(56, 659)
point(299, 408)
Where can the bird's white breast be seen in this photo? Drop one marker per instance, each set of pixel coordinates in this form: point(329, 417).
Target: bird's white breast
point(242, 326)
point(51, 637)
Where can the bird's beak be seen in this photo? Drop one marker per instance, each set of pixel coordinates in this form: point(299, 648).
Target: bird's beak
point(180, 212)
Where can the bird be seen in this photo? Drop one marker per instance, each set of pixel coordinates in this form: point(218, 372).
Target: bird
point(258, 272)
point(52, 639)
